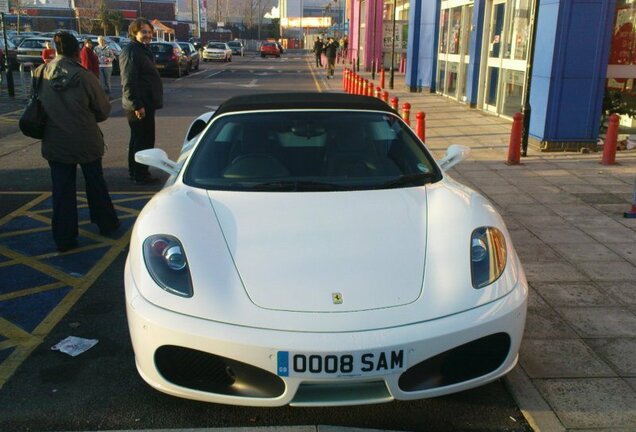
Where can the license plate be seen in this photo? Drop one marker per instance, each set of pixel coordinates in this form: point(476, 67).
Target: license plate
point(365, 363)
point(159, 66)
point(34, 53)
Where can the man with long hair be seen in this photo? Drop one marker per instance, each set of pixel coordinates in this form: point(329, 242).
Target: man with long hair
point(142, 95)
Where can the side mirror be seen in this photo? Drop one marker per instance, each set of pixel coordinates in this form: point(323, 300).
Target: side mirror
point(157, 158)
point(454, 155)
point(196, 128)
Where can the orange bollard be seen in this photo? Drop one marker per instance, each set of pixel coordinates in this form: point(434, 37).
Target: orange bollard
point(356, 85)
point(609, 148)
point(370, 87)
point(345, 74)
point(406, 113)
point(514, 146)
point(385, 96)
point(394, 102)
point(382, 78)
point(363, 87)
point(420, 125)
point(378, 91)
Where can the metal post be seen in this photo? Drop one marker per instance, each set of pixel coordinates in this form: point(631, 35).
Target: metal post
point(392, 73)
point(373, 35)
point(259, 19)
point(526, 109)
point(359, 22)
point(10, 85)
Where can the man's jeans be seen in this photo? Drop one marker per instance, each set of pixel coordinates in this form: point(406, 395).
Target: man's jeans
point(104, 77)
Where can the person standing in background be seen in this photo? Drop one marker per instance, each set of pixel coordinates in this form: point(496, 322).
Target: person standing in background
point(74, 103)
point(88, 58)
point(331, 51)
point(318, 46)
point(106, 56)
point(48, 53)
point(142, 95)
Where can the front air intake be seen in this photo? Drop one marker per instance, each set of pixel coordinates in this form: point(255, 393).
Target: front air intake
point(463, 363)
point(210, 373)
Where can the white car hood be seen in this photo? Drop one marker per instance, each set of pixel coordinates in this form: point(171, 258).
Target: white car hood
point(326, 252)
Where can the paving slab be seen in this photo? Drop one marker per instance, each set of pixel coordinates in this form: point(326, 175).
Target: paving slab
point(558, 271)
point(591, 402)
point(561, 358)
point(609, 271)
point(563, 235)
point(573, 294)
point(584, 251)
point(546, 323)
point(600, 321)
point(618, 352)
point(623, 292)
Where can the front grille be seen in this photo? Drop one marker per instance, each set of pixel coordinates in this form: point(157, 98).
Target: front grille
point(463, 363)
point(342, 393)
point(210, 373)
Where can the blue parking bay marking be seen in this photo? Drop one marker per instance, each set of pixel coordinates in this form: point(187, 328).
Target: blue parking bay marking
point(38, 285)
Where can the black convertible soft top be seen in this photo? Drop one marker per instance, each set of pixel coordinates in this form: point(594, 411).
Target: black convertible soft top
point(276, 101)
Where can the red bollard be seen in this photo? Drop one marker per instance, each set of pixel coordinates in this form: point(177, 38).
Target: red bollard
point(356, 85)
point(385, 96)
point(514, 146)
point(363, 87)
point(609, 148)
point(345, 74)
point(370, 87)
point(420, 125)
point(382, 78)
point(394, 102)
point(406, 113)
point(378, 90)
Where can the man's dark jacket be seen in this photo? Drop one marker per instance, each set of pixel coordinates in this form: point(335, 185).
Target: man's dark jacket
point(140, 81)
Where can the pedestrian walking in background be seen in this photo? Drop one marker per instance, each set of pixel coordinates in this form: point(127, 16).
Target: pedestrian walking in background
point(142, 95)
point(105, 56)
point(331, 52)
point(88, 58)
point(48, 53)
point(317, 50)
point(74, 103)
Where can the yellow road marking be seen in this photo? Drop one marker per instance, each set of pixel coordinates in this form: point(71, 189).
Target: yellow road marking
point(24, 342)
point(313, 75)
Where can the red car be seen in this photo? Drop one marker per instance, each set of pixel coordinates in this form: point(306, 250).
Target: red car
point(270, 49)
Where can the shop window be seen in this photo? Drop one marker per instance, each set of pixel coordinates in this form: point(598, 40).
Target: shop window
point(620, 92)
point(443, 31)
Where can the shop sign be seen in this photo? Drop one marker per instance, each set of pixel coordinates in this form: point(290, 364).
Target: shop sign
point(401, 35)
point(4, 6)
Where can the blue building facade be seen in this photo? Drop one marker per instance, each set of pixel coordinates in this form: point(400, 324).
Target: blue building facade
point(481, 52)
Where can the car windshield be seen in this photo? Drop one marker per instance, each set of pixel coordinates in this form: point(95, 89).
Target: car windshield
point(216, 46)
point(161, 48)
point(234, 44)
point(326, 150)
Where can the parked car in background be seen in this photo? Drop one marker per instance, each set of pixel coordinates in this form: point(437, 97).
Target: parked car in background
point(11, 53)
point(193, 55)
point(118, 39)
point(237, 47)
point(197, 43)
point(169, 58)
point(30, 50)
point(217, 51)
point(270, 49)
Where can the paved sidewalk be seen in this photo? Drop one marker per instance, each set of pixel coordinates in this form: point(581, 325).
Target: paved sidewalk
point(577, 367)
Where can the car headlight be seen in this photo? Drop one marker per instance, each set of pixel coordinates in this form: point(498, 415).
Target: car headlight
point(487, 255)
point(167, 264)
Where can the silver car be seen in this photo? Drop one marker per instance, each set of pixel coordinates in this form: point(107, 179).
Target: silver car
point(30, 50)
point(217, 51)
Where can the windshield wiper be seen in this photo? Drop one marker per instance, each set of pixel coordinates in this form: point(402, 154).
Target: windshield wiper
point(409, 180)
point(298, 186)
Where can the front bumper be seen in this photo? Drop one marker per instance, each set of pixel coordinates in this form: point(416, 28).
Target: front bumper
point(213, 56)
point(249, 355)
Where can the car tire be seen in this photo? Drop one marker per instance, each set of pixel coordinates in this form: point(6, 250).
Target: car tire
point(178, 73)
point(262, 55)
point(229, 59)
